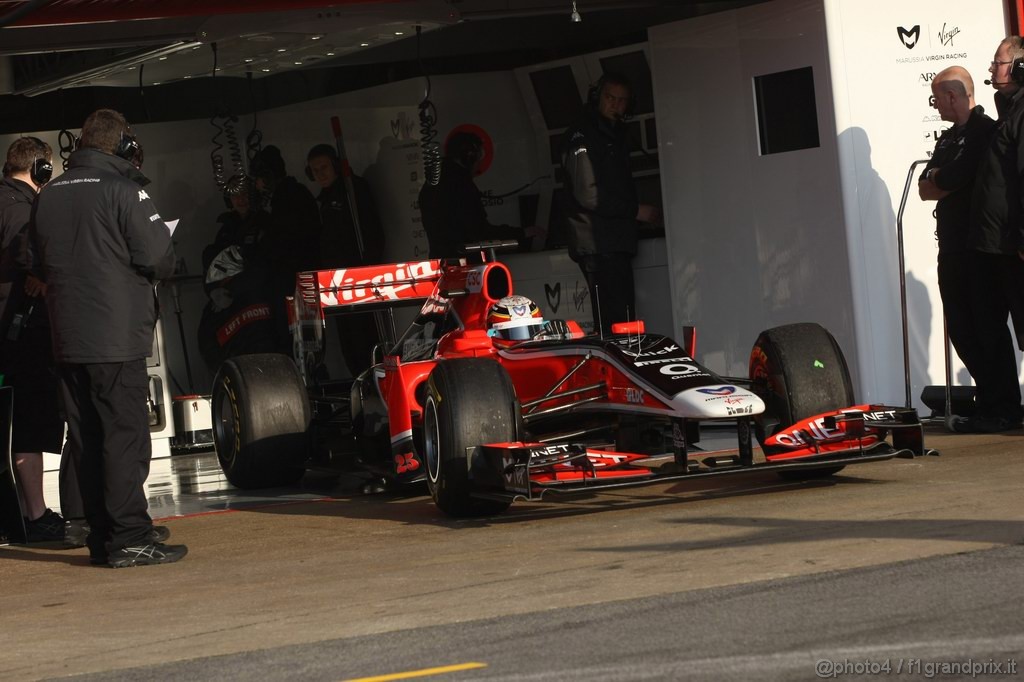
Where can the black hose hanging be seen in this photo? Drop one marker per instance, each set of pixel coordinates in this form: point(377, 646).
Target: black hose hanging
point(254, 140)
point(429, 146)
point(142, 93)
point(68, 143)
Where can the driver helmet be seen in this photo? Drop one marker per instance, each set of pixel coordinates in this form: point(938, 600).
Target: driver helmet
point(515, 318)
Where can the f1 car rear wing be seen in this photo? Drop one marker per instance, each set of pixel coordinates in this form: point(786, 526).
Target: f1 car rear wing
point(368, 287)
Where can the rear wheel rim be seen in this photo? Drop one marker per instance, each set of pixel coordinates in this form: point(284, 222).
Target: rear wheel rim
point(225, 427)
point(431, 440)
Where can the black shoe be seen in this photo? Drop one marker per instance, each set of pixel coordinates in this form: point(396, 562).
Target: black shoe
point(145, 555)
point(77, 531)
point(47, 528)
point(984, 424)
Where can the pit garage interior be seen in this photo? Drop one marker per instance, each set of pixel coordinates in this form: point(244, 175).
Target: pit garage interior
point(769, 218)
point(776, 136)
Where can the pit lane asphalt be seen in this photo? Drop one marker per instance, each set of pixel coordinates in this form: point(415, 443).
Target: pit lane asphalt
point(724, 578)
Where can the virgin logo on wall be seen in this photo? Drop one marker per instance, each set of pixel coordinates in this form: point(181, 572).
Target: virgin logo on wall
point(909, 38)
point(942, 38)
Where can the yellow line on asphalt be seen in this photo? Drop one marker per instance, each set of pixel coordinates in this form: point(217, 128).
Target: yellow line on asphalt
point(425, 672)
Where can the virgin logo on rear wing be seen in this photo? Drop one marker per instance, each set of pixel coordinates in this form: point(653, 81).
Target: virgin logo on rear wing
point(378, 283)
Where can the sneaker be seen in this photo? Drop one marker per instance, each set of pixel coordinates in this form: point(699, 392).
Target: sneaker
point(984, 424)
point(145, 555)
point(47, 528)
point(78, 530)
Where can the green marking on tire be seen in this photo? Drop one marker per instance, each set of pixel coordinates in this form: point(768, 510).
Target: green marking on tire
point(819, 364)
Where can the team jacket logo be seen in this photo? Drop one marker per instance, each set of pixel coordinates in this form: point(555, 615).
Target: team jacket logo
point(722, 390)
point(142, 195)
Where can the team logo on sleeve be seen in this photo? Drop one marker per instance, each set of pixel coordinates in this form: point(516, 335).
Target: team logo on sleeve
point(142, 195)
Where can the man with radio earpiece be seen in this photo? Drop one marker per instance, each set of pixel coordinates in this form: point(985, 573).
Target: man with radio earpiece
point(453, 212)
point(26, 357)
point(102, 247)
point(601, 204)
point(996, 240)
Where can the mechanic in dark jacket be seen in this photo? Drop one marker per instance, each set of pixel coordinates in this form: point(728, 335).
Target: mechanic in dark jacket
point(997, 240)
point(26, 358)
point(601, 205)
point(343, 246)
point(102, 246)
point(453, 212)
point(949, 179)
point(290, 244)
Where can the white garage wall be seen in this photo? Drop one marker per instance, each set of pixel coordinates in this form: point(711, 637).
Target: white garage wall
point(753, 241)
point(885, 123)
point(810, 235)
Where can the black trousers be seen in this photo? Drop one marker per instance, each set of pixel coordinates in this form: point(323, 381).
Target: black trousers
point(610, 280)
point(996, 291)
point(108, 430)
point(955, 276)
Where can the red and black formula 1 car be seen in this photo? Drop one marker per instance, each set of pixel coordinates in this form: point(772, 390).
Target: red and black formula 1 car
point(487, 421)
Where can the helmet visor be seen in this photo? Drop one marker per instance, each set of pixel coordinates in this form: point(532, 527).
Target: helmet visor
point(522, 332)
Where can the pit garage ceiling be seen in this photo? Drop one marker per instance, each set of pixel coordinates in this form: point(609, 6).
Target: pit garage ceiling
point(160, 59)
point(68, 43)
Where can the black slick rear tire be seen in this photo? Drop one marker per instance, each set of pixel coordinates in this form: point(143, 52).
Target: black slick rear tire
point(261, 415)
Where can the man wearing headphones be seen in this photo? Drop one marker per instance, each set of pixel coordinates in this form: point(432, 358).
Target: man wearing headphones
point(102, 247)
point(290, 243)
point(344, 244)
point(26, 358)
point(996, 238)
point(453, 212)
point(601, 205)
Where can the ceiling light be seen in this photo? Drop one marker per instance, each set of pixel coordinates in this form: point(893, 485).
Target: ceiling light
point(281, 49)
point(316, 37)
point(298, 63)
point(161, 59)
point(265, 70)
point(399, 33)
point(575, 16)
point(330, 54)
point(364, 44)
point(247, 61)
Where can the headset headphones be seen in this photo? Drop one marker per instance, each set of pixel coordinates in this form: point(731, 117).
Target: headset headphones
point(464, 147)
point(1017, 71)
point(594, 92)
point(41, 170)
point(1017, 67)
point(323, 150)
point(128, 147)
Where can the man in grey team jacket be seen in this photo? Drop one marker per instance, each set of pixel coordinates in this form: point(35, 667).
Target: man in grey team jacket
point(601, 204)
point(102, 246)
